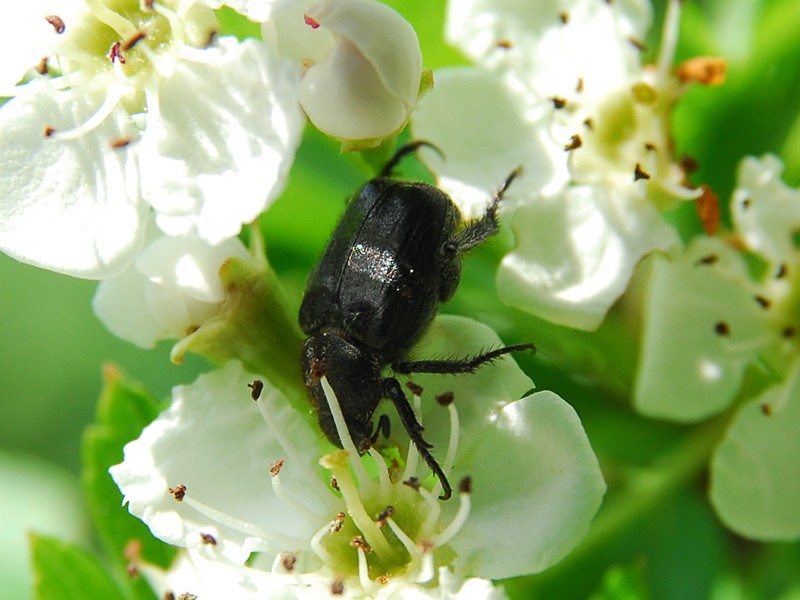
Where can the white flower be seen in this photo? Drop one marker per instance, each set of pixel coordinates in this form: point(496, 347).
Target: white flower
point(168, 292)
point(363, 65)
point(560, 89)
point(715, 319)
point(135, 106)
point(535, 483)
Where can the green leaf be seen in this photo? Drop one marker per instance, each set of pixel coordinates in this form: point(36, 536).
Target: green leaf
point(63, 572)
point(123, 411)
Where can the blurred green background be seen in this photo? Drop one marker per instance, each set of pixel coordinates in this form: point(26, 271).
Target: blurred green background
point(53, 348)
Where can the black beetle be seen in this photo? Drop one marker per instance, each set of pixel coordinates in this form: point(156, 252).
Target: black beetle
point(394, 256)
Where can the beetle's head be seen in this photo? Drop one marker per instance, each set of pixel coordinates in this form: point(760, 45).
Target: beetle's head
point(354, 375)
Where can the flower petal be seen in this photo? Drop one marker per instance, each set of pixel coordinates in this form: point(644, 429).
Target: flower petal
point(754, 483)
point(535, 479)
point(489, 135)
point(694, 347)
point(69, 205)
point(576, 252)
point(220, 139)
point(213, 440)
point(765, 210)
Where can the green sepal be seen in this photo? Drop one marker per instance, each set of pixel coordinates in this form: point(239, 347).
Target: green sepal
point(256, 324)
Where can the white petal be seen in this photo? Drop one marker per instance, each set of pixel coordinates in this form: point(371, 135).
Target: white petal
point(189, 265)
point(69, 205)
point(576, 252)
point(536, 482)
point(754, 484)
point(536, 487)
point(687, 370)
point(550, 55)
point(484, 131)
point(121, 305)
point(213, 440)
point(765, 210)
point(220, 140)
point(368, 83)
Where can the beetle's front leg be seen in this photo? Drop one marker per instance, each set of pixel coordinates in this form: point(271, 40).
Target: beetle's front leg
point(394, 392)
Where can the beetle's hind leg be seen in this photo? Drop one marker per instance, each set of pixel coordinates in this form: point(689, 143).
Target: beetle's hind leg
point(478, 231)
point(394, 392)
point(468, 364)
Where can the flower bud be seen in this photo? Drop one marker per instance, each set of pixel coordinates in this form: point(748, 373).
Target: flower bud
point(363, 61)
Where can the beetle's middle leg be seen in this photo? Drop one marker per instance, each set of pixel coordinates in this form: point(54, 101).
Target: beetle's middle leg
point(468, 364)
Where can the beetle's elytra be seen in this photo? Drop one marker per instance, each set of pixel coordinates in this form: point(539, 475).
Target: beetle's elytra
point(394, 256)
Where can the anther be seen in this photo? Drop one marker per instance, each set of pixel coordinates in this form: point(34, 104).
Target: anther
point(782, 271)
point(465, 486)
point(637, 43)
point(650, 146)
point(256, 387)
point(288, 561)
point(57, 23)
point(120, 143)
point(179, 491)
point(338, 522)
point(445, 399)
point(133, 40)
point(721, 328)
point(385, 514)
point(115, 53)
point(310, 22)
point(789, 332)
point(558, 103)
point(504, 44)
point(579, 85)
point(763, 302)
point(49, 130)
point(208, 539)
point(275, 467)
point(360, 543)
point(41, 68)
point(334, 483)
point(413, 483)
point(639, 173)
point(563, 17)
point(766, 409)
point(589, 123)
point(707, 260)
point(414, 388)
point(337, 587)
point(574, 143)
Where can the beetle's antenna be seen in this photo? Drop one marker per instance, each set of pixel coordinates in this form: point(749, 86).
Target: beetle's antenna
point(402, 151)
point(395, 393)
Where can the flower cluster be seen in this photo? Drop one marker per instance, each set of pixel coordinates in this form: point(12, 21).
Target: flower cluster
point(560, 89)
point(697, 352)
point(371, 526)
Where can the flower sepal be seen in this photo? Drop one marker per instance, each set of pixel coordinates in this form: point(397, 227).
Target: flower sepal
point(256, 324)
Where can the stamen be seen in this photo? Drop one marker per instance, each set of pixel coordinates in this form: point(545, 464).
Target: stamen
point(383, 473)
point(465, 504)
point(115, 94)
point(427, 570)
point(344, 432)
point(434, 511)
point(452, 446)
point(412, 456)
point(338, 463)
point(303, 511)
point(409, 544)
point(113, 19)
point(669, 39)
point(363, 571)
point(296, 458)
point(318, 548)
point(239, 525)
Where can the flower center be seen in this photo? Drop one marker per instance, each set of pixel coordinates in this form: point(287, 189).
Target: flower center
point(384, 523)
point(118, 47)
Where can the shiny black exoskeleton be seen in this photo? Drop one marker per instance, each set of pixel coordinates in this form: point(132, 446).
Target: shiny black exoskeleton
point(394, 256)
